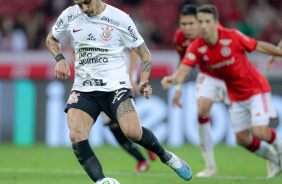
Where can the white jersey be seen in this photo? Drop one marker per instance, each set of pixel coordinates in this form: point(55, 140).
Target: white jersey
point(99, 42)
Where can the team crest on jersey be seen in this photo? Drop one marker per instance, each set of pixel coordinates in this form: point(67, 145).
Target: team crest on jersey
point(203, 49)
point(106, 34)
point(73, 98)
point(225, 51)
point(225, 42)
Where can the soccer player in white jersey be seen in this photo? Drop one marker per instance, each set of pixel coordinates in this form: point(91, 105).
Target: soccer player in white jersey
point(100, 32)
point(142, 163)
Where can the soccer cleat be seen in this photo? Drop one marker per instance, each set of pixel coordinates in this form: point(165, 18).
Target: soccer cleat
point(152, 155)
point(207, 172)
point(142, 166)
point(273, 170)
point(180, 167)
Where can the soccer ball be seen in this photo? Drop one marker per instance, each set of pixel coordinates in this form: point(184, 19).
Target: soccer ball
point(107, 181)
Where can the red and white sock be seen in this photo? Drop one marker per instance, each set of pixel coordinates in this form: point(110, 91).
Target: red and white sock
point(206, 141)
point(263, 149)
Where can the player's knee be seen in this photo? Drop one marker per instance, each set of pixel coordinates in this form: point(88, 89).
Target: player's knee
point(203, 112)
point(133, 134)
point(259, 135)
point(77, 135)
point(242, 141)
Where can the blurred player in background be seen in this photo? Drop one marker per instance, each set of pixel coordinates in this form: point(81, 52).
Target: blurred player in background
point(223, 51)
point(125, 143)
point(209, 88)
point(100, 33)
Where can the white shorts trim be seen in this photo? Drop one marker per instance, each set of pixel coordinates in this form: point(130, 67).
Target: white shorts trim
point(256, 111)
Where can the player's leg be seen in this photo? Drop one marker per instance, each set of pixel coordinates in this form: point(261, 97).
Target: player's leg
point(206, 93)
point(126, 144)
point(81, 114)
point(130, 147)
point(128, 119)
point(206, 139)
point(262, 111)
point(240, 117)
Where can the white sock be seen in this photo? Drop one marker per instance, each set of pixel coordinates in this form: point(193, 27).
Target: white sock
point(268, 152)
point(209, 159)
point(205, 134)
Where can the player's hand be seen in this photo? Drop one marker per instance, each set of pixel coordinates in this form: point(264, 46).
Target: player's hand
point(167, 82)
point(145, 89)
point(271, 60)
point(135, 88)
point(62, 70)
point(176, 99)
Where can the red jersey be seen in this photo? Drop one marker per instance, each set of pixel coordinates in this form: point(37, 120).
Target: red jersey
point(228, 60)
point(181, 42)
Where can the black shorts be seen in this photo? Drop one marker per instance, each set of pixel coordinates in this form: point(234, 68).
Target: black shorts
point(96, 101)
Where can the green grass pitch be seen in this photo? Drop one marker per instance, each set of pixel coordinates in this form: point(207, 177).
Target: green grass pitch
point(42, 165)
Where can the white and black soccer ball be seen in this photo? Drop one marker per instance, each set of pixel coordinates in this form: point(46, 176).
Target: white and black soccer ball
point(107, 181)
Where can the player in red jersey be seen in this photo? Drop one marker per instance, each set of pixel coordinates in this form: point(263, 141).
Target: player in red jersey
point(223, 51)
point(209, 87)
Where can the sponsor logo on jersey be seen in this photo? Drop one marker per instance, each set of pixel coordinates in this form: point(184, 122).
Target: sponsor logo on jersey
point(95, 60)
point(94, 82)
point(76, 30)
point(111, 21)
point(92, 50)
point(132, 33)
point(203, 49)
point(59, 23)
point(73, 98)
point(191, 56)
point(106, 34)
point(225, 42)
point(118, 95)
point(73, 16)
point(91, 37)
point(225, 51)
point(206, 58)
point(223, 63)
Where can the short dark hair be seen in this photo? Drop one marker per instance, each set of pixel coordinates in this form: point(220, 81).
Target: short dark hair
point(208, 8)
point(188, 10)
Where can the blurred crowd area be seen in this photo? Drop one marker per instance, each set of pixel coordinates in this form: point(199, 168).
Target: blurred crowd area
point(24, 24)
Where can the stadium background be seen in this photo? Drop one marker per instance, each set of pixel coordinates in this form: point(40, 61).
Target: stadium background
point(32, 101)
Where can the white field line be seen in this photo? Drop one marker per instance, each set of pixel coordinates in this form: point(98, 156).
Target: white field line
point(145, 174)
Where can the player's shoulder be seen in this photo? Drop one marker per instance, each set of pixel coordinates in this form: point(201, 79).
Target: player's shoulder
point(178, 33)
point(114, 16)
point(115, 13)
point(229, 31)
point(114, 10)
point(71, 12)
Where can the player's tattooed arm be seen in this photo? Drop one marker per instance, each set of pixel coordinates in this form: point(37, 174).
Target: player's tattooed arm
point(53, 44)
point(146, 61)
point(62, 70)
point(124, 108)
